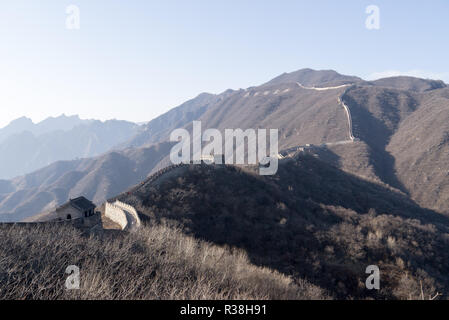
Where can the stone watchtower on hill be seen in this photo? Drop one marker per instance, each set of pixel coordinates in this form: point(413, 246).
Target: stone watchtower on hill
point(74, 209)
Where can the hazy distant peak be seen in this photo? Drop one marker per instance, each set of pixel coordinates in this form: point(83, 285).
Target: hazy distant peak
point(62, 117)
point(16, 126)
point(22, 122)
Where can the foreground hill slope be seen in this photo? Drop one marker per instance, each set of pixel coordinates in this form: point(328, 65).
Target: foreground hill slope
point(157, 262)
point(310, 220)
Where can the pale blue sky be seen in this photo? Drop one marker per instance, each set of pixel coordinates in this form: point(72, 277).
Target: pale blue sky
point(136, 59)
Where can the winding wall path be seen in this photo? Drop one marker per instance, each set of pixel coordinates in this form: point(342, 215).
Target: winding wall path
point(348, 115)
point(340, 101)
point(154, 178)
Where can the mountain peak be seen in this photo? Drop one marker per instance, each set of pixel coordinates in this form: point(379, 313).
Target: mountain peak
point(310, 77)
point(16, 126)
point(62, 117)
point(410, 83)
point(21, 121)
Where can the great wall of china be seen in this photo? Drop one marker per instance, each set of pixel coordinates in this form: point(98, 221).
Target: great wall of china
point(126, 216)
point(122, 214)
point(116, 214)
point(341, 102)
point(152, 178)
point(352, 139)
point(288, 152)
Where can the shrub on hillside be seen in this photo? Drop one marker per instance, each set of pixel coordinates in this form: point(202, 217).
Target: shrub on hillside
point(158, 262)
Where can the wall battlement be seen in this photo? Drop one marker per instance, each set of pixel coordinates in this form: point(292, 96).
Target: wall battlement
point(130, 209)
point(116, 214)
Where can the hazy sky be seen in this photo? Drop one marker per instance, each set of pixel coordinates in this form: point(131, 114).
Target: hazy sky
point(136, 59)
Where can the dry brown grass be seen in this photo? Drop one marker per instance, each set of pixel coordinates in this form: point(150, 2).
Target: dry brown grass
point(158, 262)
point(310, 221)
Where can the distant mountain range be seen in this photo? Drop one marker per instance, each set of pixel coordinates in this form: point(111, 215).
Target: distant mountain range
point(402, 124)
point(61, 123)
point(26, 146)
